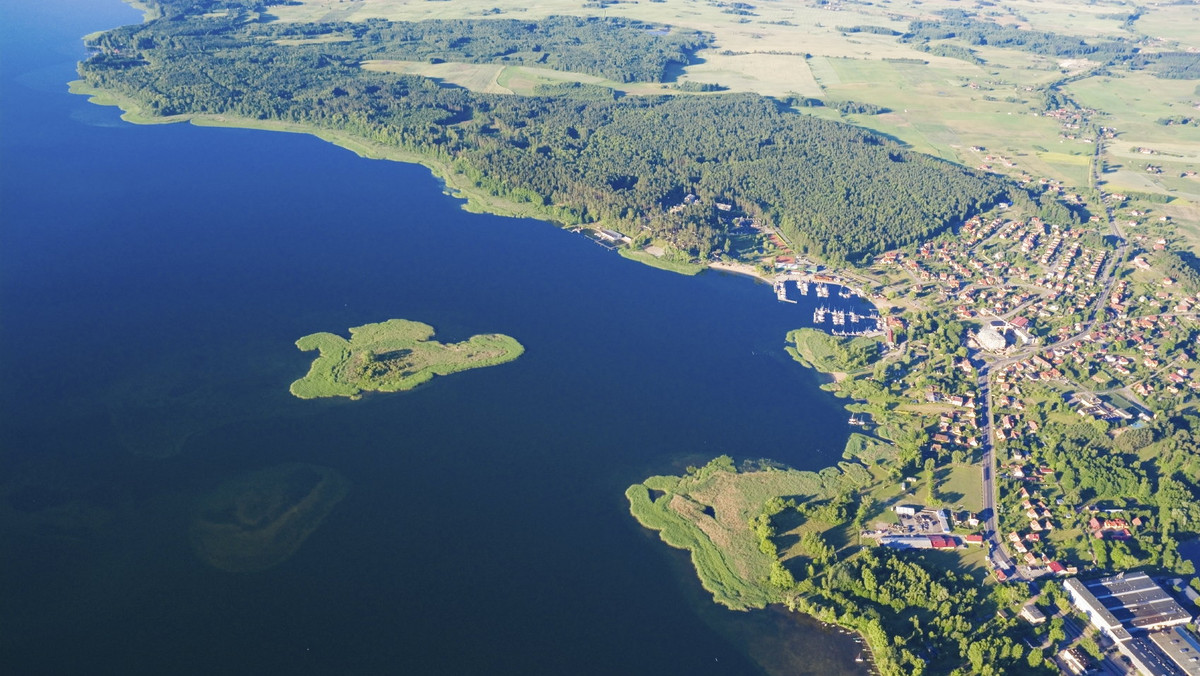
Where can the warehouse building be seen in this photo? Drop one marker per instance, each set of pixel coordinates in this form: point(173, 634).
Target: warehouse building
point(1127, 606)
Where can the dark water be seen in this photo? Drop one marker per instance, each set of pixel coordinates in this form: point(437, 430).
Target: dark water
point(152, 282)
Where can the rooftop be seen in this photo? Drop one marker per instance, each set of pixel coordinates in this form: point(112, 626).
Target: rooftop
point(1137, 601)
point(1181, 646)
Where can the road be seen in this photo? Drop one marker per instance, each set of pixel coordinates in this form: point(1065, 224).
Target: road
point(998, 555)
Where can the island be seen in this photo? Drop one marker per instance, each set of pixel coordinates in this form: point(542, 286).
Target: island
point(392, 356)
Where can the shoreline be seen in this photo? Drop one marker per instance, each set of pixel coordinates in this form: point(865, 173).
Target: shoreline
point(474, 201)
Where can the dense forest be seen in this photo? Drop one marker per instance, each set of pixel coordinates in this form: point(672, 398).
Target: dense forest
point(835, 191)
point(618, 49)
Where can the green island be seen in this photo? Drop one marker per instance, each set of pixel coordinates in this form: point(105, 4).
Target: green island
point(1016, 186)
point(392, 356)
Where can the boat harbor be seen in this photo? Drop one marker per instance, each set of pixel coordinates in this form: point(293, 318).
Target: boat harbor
point(840, 310)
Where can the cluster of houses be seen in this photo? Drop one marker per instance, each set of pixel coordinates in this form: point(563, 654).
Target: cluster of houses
point(1053, 260)
point(1111, 354)
point(920, 528)
point(1112, 529)
point(1041, 522)
point(956, 429)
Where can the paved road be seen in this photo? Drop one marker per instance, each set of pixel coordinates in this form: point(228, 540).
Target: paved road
point(998, 555)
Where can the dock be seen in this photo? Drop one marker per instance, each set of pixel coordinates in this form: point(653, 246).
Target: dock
point(781, 292)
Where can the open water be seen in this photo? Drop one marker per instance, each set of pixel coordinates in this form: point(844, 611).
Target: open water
point(153, 280)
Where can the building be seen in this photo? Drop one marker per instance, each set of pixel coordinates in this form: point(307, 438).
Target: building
point(991, 337)
point(1076, 661)
point(1138, 602)
point(1128, 606)
point(1031, 614)
point(612, 236)
point(919, 542)
point(1181, 646)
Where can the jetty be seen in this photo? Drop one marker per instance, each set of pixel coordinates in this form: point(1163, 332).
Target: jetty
point(822, 291)
point(781, 292)
point(803, 286)
point(819, 315)
point(839, 317)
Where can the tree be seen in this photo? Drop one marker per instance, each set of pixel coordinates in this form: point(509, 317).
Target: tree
point(1035, 658)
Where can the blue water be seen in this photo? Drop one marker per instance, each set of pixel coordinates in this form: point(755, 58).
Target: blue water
point(153, 280)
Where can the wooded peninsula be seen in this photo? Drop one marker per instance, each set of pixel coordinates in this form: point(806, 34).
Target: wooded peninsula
point(835, 191)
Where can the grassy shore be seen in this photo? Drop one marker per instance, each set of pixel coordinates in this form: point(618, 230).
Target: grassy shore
point(392, 356)
point(706, 513)
point(662, 263)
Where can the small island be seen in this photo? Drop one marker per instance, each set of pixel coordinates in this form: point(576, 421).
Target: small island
point(392, 356)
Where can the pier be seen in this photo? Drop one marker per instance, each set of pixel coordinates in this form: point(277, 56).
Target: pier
point(781, 292)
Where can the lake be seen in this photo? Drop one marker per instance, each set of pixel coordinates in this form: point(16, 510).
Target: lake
point(153, 281)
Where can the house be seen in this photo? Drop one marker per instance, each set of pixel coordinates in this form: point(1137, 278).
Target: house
point(943, 542)
point(1032, 615)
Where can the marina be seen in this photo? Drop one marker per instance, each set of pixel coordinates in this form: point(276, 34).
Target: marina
point(849, 315)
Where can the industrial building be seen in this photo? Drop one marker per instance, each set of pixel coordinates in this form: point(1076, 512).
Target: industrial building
point(1132, 609)
point(1182, 647)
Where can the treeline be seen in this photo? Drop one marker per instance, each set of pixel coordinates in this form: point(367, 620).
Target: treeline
point(1184, 270)
point(838, 192)
point(977, 32)
point(619, 49)
point(848, 107)
point(1179, 120)
point(917, 617)
point(960, 25)
point(875, 30)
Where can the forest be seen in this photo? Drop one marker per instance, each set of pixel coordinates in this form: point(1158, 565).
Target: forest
point(837, 192)
point(618, 49)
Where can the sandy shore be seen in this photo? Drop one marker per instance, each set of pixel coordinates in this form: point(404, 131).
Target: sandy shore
point(741, 269)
